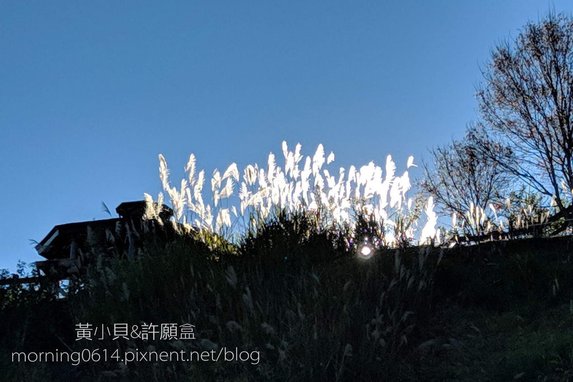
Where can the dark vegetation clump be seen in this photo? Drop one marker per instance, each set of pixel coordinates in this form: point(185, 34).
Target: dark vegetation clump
point(303, 298)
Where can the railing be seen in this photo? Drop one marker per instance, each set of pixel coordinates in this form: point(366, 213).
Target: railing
point(13, 280)
point(532, 230)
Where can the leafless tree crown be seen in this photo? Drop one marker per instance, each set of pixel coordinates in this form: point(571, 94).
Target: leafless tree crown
point(462, 176)
point(526, 103)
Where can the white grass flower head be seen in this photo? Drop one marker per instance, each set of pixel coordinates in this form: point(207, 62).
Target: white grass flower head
point(216, 180)
point(405, 184)
point(262, 179)
point(297, 159)
point(400, 186)
point(207, 218)
point(250, 175)
point(150, 212)
point(476, 217)
point(395, 195)
point(330, 158)
point(284, 147)
point(160, 199)
point(189, 200)
point(179, 200)
point(429, 231)
point(493, 209)
point(231, 172)
point(289, 164)
point(244, 196)
point(319, 181)
point(199, 185)
point(330, 180)
point(390, 168)
point(163, 172)
point(271, 167)
point(341, 175)
point(215, 186)
point(410, 162)
point(223, 220)
point(318, 159)
point(190, 168)
point(227, 190)
point(454, 221)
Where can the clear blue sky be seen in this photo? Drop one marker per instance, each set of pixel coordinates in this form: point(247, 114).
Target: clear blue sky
point(92, 91)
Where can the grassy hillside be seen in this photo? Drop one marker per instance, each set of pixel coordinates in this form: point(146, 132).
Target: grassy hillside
point(312, 310)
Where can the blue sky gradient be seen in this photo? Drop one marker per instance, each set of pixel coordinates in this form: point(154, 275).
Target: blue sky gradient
point(92, 92)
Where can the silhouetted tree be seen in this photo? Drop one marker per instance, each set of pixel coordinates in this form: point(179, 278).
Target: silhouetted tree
point(526, 105)
point(462, 176)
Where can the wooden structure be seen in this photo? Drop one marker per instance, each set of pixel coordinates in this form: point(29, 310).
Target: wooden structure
point(67, 247)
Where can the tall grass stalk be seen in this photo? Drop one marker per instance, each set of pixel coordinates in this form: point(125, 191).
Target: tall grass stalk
point(240, 201)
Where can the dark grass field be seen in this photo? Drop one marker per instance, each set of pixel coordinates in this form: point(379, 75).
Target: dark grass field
point(313, 311)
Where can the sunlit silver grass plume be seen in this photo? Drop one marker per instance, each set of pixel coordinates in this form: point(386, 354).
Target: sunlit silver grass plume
point(293, 189)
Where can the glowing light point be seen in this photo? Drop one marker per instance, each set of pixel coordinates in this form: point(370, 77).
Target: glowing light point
point(365, 251)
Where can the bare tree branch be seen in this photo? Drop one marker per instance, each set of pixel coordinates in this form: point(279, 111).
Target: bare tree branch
point(526, 105)
point(462, 175)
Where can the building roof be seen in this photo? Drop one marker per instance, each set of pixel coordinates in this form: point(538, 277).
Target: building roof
point(56, 241)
